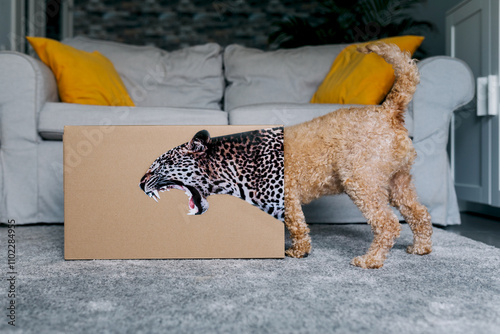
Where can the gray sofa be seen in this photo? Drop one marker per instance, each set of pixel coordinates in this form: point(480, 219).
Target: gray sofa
point(206, 85)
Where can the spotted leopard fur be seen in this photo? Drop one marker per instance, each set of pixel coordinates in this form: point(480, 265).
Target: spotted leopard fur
point(248, 165)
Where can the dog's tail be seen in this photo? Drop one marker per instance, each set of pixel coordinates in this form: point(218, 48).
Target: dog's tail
point(406, 81)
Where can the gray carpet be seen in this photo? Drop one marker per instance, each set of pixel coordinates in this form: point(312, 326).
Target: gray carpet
point(456, 289)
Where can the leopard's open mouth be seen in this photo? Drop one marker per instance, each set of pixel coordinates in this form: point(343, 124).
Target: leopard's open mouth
point(197, 203)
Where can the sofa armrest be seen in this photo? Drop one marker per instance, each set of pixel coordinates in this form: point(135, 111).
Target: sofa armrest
point(25, 85)
point(445, 84)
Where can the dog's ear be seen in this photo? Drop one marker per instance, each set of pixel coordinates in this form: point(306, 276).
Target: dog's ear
point(199, 143)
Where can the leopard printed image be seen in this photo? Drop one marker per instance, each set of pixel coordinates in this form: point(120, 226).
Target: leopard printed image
point(248, 165)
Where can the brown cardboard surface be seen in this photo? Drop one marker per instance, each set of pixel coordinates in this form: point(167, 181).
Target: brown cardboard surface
point(108, 216)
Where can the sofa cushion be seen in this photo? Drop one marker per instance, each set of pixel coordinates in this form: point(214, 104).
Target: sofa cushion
point(54, 116)
point(82, 77)
point(281, 76)
point(289, 114)
point(190, 77)
point(357, 78)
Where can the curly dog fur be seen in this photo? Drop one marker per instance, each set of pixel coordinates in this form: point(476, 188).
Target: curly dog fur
point(365, 152)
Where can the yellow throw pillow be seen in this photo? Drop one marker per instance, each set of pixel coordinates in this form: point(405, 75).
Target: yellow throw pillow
point(82, 77)
point(357, 78)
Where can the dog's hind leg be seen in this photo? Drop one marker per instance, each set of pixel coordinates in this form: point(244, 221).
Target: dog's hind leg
point(296, 225)
point(374, 204)
point(404, 198)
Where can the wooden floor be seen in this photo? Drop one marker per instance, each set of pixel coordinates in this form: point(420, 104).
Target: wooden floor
point(478, 227)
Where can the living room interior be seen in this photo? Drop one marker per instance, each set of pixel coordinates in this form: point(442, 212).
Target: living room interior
point(240, 64)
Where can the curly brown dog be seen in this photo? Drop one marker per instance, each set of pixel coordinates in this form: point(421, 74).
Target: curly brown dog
point(365, 152)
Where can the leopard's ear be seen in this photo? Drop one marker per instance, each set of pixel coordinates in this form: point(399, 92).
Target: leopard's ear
point(199, 143)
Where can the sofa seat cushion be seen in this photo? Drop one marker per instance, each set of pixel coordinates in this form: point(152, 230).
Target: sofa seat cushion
point(54, 116)
point(289, 114)
point(190, 77)
point(281, 76)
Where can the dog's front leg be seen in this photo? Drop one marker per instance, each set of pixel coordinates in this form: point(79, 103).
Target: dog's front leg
point(296, 225)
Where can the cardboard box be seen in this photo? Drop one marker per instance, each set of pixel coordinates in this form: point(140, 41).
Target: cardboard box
point(108, 216)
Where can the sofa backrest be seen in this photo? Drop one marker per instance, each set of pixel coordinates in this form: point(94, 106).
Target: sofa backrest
point(282, 76)
point(190, 77)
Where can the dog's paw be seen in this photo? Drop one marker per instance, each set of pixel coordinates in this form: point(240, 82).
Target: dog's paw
point(367, 262)
point(419, 249)
point(298, 254)
point(301, 247)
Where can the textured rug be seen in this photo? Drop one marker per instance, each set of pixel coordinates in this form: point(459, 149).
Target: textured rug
point(456, 289)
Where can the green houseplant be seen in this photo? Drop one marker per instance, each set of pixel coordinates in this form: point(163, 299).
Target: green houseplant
point(349, 21)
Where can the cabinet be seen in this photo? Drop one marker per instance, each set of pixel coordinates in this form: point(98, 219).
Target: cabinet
point(472, 34)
